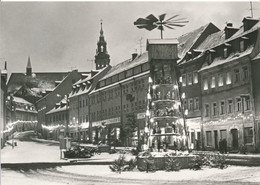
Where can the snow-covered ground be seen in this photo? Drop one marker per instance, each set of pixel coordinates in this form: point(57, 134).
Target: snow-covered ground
point(232, 173)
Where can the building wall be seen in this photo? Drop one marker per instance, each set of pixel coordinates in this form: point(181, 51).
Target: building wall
point(3, 94)
point(46, 103)
point(256, 90)
point(118, 101)
point(223, 124)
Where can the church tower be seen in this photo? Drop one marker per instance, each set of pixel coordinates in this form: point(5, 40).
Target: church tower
point(29, 67)
point(102, 57)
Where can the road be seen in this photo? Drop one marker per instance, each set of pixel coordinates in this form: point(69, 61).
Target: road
point(31, 152)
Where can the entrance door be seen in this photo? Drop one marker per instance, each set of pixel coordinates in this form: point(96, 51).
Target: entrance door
point(216, 139)
point(234, 134)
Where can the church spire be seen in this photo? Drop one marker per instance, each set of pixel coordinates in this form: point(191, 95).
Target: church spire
point(101, 30)
point(29, 67)
point(102, 57)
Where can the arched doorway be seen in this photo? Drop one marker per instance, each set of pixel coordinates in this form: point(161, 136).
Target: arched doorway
point(234, 133)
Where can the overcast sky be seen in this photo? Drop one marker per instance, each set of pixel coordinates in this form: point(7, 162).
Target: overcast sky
point(61, 35)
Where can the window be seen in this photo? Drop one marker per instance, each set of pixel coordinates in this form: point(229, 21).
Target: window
point(209, 138)
point(225, 52)
point(228, 80)
point(192, 137)
point(230, 106)
point(205, 84)
point(248, 136)
point(214, 109)
point(247, 103)
point(220, 80)
point(222, 107)
point(245, 73)
point(242, 46)
point(185, 104)
point(189, 79)
point(183, 80)
point(213, 82)
point(206, 110)
point(190, 104)
point(239, 104)
point(195, 77)
point(196, 103)
point(237, 75)
point(223, 134)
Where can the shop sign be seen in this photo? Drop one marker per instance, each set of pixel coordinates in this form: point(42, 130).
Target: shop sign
point(112, 120)
point(106, 122)
point(96, 124)
point(141, 115)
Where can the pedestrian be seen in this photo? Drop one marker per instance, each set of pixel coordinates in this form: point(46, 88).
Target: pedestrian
point(220, 146)
point(224, 142)
point(159, 145)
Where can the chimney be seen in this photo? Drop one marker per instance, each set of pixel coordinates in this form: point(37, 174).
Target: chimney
point(134, 55)
point(248, 23)
point(230, 30)
point(4, 73)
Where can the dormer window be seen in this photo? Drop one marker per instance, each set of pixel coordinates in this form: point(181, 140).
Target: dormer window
point(225, 52)
point(213, 82)
point(205, 84)
point(195, 77)
point(242, 45)
point(210, 58)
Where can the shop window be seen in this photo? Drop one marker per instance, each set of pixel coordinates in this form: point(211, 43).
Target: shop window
point(192, 135)
point(206, 110)
point(220, 80)
point(223, 134)
point(196, 103)
point(209, 138)
point(222, 107)
point(195, 77)
point(248, 135)
point(205, 84)
point(228, 80)
point(213, 82)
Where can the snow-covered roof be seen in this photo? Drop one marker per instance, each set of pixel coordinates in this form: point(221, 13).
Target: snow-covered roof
point(59, 109)
point(21, 100)
point(233, 56)
point(88, 81)
point(127, 64)
point(256, 57)
point(187, 40)
point(119, 82)
point(212, 40)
